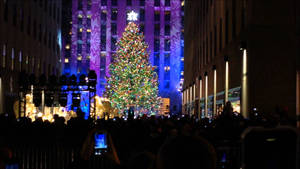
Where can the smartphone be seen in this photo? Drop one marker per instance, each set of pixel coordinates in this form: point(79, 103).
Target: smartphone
point(100, 143)
point(12, 166)
point(276, 148)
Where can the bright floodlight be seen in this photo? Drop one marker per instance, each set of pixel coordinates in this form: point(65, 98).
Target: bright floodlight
point(132, 16)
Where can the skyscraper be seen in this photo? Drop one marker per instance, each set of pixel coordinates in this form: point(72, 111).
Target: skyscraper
point(96, 25)
point(30, 41)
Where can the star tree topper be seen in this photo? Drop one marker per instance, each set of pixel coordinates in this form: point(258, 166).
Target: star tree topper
point(132, 16)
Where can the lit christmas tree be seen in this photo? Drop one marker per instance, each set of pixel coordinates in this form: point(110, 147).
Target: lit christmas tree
point(133, 82)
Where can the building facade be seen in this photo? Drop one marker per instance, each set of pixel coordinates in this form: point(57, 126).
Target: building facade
point(30, 38)
point(243, 51)
point(96, 25)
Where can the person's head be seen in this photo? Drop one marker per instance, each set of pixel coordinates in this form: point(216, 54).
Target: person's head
point(142, 160)
point(187, 152)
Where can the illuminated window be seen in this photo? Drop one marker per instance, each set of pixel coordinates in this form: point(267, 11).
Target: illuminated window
point(103, 15)
point(79, 58)
point(89, 30)
point(79, 15)
point(66, 60)
point(67, 47)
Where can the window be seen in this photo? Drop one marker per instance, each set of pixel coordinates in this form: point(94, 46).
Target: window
point(103, 30)
point(156, 2)
point(156, 16)
point(88, 35)
point(114, 2)
point(50, 9)
point(103, 15)
point(167, 84)
point(79, 21)
point(215, 40)
point(113, 28)
point(88, 22)
point(21, 20)
point(40, 32)
point(156, 29)
point(233, 19)
point(79, 5)
point(142, 2)
point(89, 4)
point(167, 3)
point(156, 62)
point(156, 45)
point(46, 6)
point(4, 55)
point(79, 34)
point(128, 2)
point(15, 15)
point(20, 60)
point(167, 30)
point(88, 47)
point(142, 28)
point(103, 2)
point(220, 35)
point(167, 59)
point(167, 15)
point(6, 10)
point(114, 14)
point(54, 10)
point(167, 45)
point(113, 43)
point(103, 43)
point(226, 27)
point(156, 59)
point(12, 58)
point(102, 66)
point(243, 18)
point(29, 25)
point(142, 15)
point(79, 48)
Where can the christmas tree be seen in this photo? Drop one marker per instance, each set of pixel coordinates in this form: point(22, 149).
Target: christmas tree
point(133, 82)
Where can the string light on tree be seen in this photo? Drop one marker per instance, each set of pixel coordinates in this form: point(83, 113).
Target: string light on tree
point(133, 82)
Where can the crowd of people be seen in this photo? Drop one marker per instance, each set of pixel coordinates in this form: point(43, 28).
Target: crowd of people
point(144, 143)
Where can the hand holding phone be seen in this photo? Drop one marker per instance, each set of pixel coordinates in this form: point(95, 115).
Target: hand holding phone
point(101, 144)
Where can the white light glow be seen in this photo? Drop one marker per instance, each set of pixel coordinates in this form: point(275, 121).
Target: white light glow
point(132, 16)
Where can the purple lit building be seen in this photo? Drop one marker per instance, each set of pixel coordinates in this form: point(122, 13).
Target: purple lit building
point(96, 25)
